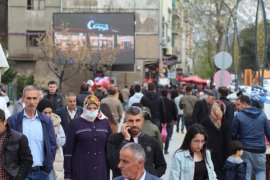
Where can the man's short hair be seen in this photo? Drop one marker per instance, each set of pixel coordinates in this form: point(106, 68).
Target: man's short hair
point(151, 87)
point(2, 115)
point(224, 91)
point(70, 94)
point(244, 99)
point(84, 87)
point(40, 89)
point(235, 146)
point(164, 93)
point(52, 82)
point(137, 104)
point(136, 149)
point(29, 88)
point(188, 88)
point(209, 94)
point(181, 90)
point(137, 88)
point(111, 89)
point(134, 110)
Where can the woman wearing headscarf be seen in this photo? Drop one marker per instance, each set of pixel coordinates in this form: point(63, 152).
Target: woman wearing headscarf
point(85, 150)
point(216, 127)
point(45, 107)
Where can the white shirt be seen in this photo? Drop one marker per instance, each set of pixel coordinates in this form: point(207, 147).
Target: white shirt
point(143, 176)
point(136, 98)
point(72, 114)
point(135, 140)
point(177, 102)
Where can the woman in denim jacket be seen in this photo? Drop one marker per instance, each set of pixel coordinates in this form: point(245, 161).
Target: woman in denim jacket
point(193, 161)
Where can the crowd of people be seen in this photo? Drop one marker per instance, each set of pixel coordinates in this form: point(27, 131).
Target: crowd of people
point(101, 130)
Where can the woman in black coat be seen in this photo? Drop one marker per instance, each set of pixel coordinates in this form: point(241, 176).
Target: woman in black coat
point(216, 128)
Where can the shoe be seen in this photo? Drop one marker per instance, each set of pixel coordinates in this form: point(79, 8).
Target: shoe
point(166, 152)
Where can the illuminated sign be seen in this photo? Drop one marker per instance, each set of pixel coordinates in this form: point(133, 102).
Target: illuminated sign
point(95, 26)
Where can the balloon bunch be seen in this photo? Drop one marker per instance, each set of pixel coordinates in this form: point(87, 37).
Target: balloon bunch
point(102, 81)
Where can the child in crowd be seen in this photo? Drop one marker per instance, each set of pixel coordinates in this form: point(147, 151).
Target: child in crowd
point(235, 167)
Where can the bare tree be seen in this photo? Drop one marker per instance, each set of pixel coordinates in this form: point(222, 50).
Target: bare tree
point(67, 56)
point(210, 21)
point(102, 58)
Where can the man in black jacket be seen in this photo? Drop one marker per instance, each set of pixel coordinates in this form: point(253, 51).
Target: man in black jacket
point(54, 96)
point(171, 117)
point(155, 103)
point(155, 163)
point(16, 156)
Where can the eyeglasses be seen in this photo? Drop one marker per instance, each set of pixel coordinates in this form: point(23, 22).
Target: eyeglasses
point(199, 142)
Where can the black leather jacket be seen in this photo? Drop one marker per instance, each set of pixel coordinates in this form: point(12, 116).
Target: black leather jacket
point(17, 158)
point(155, 162)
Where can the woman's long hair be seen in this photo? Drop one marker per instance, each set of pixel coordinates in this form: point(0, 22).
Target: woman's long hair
point(191, 133)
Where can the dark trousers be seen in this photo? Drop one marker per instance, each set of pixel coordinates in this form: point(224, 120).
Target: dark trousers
point(188, 122)
point(157, 122)
point(169, 129)
point(180, 118)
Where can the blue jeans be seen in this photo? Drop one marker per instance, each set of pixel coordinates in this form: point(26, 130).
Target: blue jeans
point(169, 129)
point(255, 163)
point(38, 175)
point(51, 176)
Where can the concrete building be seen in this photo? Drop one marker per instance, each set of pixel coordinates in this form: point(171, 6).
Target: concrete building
point(3, 22)
point(30, 17)
point(181, 41)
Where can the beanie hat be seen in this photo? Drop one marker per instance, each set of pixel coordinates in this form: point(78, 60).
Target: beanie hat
point(146, 113)
point(43, 104)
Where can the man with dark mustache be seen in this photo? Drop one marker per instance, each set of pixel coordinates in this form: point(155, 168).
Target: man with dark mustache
point(155, 163)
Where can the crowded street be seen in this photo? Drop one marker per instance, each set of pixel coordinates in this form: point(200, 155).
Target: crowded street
point(134, 90)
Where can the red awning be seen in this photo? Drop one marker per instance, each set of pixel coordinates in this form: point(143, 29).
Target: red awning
point(192, 79)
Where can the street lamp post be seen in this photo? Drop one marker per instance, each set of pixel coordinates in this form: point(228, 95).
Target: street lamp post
point(236, 42)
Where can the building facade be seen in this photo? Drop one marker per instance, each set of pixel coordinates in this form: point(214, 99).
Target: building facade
point(3, 22)
point(29, 18)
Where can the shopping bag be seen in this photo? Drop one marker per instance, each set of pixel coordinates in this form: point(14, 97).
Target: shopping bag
point(164, 133)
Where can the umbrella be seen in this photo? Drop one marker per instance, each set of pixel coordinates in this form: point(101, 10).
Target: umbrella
point(192, 79)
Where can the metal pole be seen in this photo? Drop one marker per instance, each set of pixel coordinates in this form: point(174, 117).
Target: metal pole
point(236, 51)
point(160, 33)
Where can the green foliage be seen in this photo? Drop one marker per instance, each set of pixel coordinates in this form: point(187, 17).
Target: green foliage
point(22, 81)
point(248, 48)
point(10, 74)
point(205, 70)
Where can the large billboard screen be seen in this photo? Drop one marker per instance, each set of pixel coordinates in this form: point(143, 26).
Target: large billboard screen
point(99, 31)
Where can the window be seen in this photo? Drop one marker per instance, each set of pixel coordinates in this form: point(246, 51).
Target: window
point(35, 4)
point(32, 38)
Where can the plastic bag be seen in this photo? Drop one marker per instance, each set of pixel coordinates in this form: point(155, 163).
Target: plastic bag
point(164, 133)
